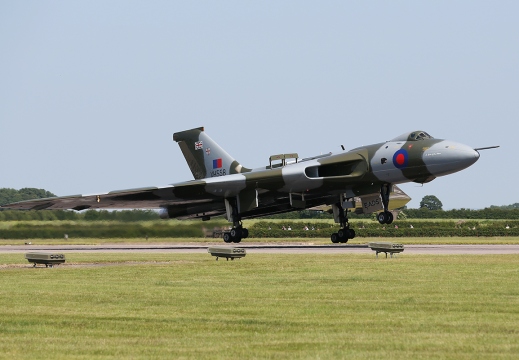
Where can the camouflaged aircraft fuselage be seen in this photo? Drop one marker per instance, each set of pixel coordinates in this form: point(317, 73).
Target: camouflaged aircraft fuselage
point(415, 156)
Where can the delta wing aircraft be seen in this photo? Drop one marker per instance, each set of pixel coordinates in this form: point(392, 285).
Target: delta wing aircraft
point(222, 186)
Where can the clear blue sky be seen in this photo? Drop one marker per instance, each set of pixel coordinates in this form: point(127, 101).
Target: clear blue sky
point(92, 91)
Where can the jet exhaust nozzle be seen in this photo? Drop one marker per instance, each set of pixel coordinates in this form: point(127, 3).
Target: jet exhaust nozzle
point(164, 213)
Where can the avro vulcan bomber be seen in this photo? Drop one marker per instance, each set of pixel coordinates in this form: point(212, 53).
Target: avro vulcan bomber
point(361, 179)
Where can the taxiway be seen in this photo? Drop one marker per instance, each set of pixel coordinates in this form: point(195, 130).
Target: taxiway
point(269, 249)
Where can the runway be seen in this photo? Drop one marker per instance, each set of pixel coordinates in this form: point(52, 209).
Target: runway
point(268, 249)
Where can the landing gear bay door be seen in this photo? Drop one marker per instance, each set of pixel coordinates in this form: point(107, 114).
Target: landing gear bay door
point(371, 203)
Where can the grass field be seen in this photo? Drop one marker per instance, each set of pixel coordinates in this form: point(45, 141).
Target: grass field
point(263, 306)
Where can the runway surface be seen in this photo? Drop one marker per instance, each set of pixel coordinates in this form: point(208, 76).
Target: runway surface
point(268, 249)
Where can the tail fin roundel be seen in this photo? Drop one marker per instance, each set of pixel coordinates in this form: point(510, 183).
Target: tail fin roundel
point(204, 156)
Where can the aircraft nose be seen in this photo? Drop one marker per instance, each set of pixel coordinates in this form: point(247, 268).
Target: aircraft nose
point(465, 155)
point(449, 157)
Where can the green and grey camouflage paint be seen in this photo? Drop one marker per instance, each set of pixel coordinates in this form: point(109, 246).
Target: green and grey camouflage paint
point(222, 186)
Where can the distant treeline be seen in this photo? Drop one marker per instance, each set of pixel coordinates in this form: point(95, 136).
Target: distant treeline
point(487, 213)
point(8, 195)
point(423, 213)
point(89, 215)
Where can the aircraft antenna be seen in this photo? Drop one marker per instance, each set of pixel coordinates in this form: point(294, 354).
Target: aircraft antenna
point(486, 148)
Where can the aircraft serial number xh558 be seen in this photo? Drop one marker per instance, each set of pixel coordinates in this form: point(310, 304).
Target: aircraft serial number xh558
point(362, 179)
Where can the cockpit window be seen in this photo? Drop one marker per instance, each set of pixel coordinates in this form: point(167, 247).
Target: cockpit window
point(420, 135)
point(413, 136)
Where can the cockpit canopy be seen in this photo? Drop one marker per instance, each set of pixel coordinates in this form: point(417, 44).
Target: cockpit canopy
point(413, 136)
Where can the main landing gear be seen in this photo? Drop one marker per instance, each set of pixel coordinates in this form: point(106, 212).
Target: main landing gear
point(385, 217)
point(237, 232)
point(345, 233)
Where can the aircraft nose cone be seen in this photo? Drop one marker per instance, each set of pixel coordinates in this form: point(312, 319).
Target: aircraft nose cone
point(449, 157)
point(466, 155)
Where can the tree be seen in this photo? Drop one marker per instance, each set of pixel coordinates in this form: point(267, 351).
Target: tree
point(8, 196)
point(431, 202)
point(507, 207)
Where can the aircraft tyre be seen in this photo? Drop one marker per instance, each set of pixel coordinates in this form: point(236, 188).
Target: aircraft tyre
point(235, 232)
point(385, 217)
point(381, 217)
point(227, 237)
point(344, 235)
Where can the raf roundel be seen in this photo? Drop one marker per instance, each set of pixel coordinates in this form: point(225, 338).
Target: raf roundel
point(400, 159)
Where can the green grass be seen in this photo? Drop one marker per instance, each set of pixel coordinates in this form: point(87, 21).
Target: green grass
point(263, 306)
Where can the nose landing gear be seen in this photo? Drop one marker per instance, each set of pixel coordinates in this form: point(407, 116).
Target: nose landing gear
point(385, 217)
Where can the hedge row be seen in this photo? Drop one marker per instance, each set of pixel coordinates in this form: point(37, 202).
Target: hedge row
point(489, 232)
point(397, 229)
point(261, 230)
point(108, 230)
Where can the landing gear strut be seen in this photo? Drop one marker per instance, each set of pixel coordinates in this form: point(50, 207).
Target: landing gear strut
point(237, 232)
point(385, 217)
point(345, 233)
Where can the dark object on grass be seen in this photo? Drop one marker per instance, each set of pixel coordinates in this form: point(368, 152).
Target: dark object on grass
point(47, 259)
point(227, 252)
point(386, 247)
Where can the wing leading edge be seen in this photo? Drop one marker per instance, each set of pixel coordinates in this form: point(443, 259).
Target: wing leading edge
point(143, 198)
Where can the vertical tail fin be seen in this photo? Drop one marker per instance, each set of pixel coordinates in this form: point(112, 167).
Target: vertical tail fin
point(204, 156)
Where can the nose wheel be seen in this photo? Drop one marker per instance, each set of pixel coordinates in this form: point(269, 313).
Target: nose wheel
point(385, 217)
